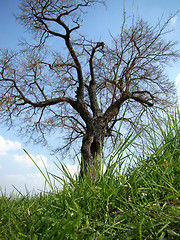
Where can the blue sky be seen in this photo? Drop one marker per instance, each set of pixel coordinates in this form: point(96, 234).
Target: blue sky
point(15, 167)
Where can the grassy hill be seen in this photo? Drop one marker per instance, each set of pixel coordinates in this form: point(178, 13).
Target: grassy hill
point(140, 201)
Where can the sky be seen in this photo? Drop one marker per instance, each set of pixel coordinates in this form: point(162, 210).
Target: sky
point(16, 168)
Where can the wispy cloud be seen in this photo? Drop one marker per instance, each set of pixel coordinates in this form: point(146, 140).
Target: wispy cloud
point(26, 160)
point(14, 178)
point(73, 169)
point(31, 181)
point(177, 81)
point(17, 168)
point(7, 145)
point(173, 20)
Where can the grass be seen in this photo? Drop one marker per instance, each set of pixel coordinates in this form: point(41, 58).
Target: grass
point(139, 201)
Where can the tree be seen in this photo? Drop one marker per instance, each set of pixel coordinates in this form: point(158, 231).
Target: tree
point(83, 88)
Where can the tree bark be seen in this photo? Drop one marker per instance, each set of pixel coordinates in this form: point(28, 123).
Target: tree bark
point(91, 149)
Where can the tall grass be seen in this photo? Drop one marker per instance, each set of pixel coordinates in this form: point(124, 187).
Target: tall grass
point(140, 201)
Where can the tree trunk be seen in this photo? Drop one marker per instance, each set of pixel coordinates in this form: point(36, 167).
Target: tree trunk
point(91, 149)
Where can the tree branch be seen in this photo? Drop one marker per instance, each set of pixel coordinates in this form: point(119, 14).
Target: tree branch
point(113, 109)
point(92, 87)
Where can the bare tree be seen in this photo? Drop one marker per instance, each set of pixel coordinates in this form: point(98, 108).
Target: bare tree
point(84, 87)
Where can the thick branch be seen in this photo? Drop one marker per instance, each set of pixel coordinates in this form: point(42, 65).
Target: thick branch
point(113, 109)
point(142, 98)
point(92, 87)
point(142, 101)
point(80, 90)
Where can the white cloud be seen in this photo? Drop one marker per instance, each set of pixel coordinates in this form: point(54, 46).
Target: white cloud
point(0, 167)
point(34, 175)
point(73, 169)
point(7, 145)
point(177, 81)
point(35, 179)
point(42, 159)
point(23, 159)
point(15, 178)
point(179, 104)
point(26, 160)
point(32, 181)
point(173, 20)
